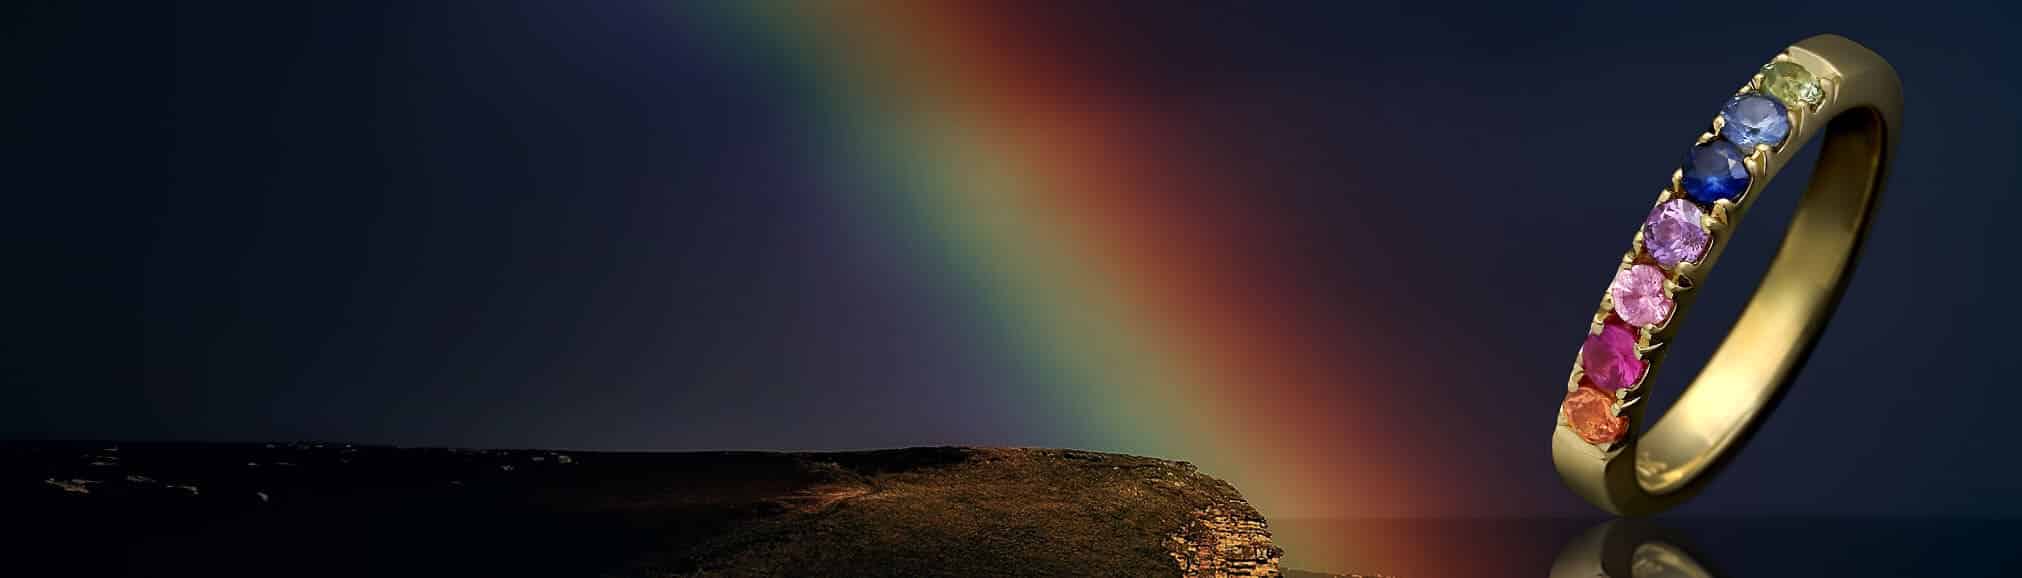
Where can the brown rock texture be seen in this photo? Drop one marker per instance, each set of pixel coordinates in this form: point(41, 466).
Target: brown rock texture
point(247, 509)
point(1002, 512)
point(1228, 539)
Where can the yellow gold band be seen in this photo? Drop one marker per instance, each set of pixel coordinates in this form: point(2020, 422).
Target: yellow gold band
point(1855, 98)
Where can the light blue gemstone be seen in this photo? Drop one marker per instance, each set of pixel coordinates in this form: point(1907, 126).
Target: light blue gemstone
point(1752, 119)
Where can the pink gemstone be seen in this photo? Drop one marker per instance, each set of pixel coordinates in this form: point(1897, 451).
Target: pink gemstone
point(1609, 357)
point(1672, 234)
point(1638, 293)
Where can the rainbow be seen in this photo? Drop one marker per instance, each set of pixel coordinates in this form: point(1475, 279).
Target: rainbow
point(1112, 255)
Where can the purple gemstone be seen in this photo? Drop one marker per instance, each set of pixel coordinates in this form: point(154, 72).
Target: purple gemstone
point(1672, 234)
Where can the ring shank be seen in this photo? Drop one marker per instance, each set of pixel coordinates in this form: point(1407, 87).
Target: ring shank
point(1781, 322)
point(1777, 329)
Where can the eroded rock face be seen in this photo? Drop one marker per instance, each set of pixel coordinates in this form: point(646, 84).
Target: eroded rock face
point(1227, 540)
point(394, 511)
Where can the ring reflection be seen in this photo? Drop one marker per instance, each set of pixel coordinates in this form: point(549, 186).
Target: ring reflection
point(1626, 548)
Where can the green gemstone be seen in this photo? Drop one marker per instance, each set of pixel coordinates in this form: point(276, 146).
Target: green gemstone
point(1791, 83)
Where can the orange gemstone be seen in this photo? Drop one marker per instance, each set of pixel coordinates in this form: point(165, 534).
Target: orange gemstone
point(1591, 413)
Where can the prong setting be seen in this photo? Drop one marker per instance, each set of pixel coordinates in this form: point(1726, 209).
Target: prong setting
point(1705, 219)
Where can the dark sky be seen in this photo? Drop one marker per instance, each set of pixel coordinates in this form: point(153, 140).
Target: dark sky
point(510, 225)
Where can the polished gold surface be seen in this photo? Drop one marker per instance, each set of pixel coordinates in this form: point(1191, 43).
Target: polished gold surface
point(1626, 549)
point(1860, 117)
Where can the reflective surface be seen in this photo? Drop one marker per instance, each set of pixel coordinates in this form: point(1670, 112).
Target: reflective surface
point(1627, 547)
point(1669, 548)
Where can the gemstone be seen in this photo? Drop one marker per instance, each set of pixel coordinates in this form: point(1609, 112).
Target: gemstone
point(1609, 357)
point(1791, 83)
point(1753, 119)
point(1714, 171)
point(1638, 293)
point(1672, 234)
point(1591, 412)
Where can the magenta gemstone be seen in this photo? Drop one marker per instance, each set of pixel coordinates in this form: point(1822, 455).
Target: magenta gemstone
point(1638, 293)
point(1672, 234)
point(1609, 357)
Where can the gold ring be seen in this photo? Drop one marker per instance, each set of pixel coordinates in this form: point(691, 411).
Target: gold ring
point(1824, 83)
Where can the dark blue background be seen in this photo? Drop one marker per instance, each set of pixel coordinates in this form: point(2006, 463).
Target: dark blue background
point(207, 204)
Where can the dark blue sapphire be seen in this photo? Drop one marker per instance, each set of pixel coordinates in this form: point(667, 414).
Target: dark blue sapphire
point(1714, 171)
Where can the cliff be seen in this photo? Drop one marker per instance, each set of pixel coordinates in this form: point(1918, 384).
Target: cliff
point(333, 509)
